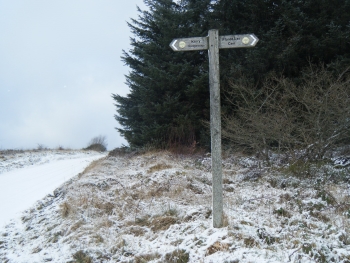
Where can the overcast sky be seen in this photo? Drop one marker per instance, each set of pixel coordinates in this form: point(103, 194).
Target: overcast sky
point(59, 64)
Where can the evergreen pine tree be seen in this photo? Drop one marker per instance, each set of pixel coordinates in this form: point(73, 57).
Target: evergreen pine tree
point(169, 94)
point(167, 90)
point(291, 35)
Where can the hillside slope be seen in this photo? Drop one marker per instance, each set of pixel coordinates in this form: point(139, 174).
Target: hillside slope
point(156, 207)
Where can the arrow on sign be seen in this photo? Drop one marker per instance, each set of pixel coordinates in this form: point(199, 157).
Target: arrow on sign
point(172, 44)
point(255, 40)
point(189, 44)
point(238, 41)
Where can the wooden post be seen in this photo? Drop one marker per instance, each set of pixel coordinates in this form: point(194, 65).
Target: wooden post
point(215, 43)
point(215, 127)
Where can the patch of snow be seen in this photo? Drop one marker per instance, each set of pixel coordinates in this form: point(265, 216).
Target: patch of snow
point(27, 181)
point(158, 206)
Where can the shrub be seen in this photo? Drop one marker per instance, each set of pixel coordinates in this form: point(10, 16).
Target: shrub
point(41, 147)
point(98, 144)
point(304, 119)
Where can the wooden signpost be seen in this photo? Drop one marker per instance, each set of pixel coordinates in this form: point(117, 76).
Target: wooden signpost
point(213, 42)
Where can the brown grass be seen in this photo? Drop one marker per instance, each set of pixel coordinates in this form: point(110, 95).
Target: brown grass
point(139, 221)
point(107, 207)
point(162, 223)
point(136, 231)
point(93, 165)
point(81, 257)
point(177, 256)
point(225, 220)
point(194, 188)
point(76, 225)
point(65, 208)
point(158, 167)
point(250, 242)
point(146, 258)
point(103, 222)
point(217, 246)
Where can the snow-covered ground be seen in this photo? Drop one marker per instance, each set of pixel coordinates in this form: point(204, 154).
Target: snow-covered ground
point(28, 176)
point(156, 207)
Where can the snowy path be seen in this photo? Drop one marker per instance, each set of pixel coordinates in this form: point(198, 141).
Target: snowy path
point(21, 188)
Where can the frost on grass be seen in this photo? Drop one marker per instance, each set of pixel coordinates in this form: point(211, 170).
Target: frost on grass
point(156, 207)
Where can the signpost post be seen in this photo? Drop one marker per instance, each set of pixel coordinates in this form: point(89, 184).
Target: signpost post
point(213, 42)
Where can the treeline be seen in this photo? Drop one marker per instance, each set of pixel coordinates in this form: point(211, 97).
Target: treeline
point(168, 103)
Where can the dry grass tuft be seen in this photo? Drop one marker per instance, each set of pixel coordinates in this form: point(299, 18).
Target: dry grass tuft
point(98, 238)
point(217, 246)
point(265, 236)
point(250, 242)
point(81, 257)
point(177, 256)
point(158, 167)
point(157, 191)
point(194, 188)
point(91, 167)
point(136, 231)
point(321, 216)
point(108, 208)
point(103, 222)
point(171, 211)
point(139, 221)
point(146, 258)
point(282, 212)
point(75, 226)
point(163, 223)
point(65, 209)
point(121, 243)
point(225, 220)
point(36, 250)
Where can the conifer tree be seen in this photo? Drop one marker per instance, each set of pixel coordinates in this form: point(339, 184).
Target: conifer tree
point(169, 94)
point(292, 34)
point(167, 90)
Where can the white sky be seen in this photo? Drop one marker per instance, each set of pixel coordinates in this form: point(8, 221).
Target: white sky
point(59, 64)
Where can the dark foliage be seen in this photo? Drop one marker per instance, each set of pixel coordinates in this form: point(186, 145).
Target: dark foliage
point(169, 95)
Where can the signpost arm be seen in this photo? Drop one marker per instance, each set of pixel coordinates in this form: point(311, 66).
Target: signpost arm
point(215, 127)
